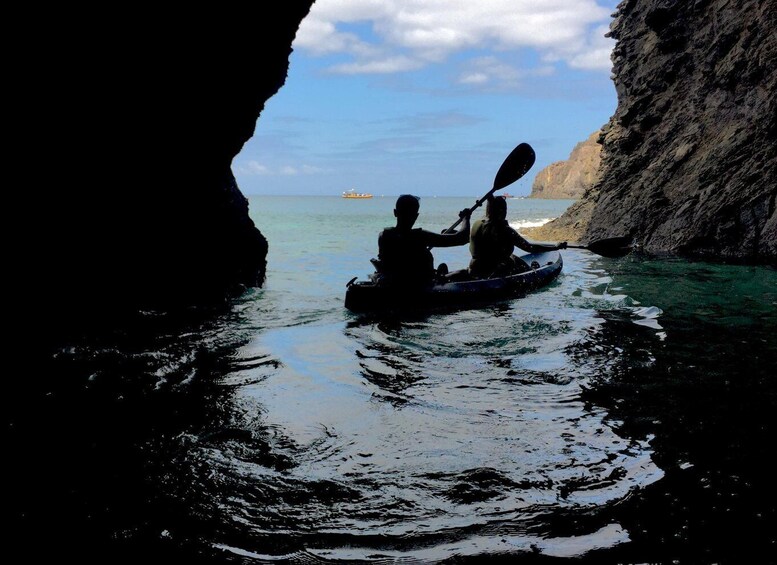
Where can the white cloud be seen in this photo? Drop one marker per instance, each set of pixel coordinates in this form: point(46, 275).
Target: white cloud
point(495, 74)
point(322, 38)
point(254, 168)
point(597, 55)
point(378, 66)
point(436, 121)
point(473, 77)
point(595, 59)
point(397, 35)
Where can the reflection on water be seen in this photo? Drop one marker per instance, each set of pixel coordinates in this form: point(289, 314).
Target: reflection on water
point(430, 449)
point(624, 412)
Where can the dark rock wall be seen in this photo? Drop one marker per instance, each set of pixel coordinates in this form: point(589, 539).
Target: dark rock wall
point(689, 157)
point(571, 178)
point(125, 126)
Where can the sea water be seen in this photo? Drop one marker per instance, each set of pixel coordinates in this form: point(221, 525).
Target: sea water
point(626, 411)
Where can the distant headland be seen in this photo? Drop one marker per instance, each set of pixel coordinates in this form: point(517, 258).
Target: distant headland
point(571, 178)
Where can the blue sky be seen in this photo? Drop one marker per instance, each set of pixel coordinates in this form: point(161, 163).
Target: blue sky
point(430, 96)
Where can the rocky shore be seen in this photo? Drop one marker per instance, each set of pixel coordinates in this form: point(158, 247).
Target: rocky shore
point(688, 158)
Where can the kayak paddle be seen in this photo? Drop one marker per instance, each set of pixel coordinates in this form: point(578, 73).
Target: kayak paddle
point(611, 247)
point(517, 164)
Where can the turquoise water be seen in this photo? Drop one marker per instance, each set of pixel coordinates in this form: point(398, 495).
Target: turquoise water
point(624, 413)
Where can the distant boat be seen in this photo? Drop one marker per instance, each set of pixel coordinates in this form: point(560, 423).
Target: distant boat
point(353, 194)
point(506, 196)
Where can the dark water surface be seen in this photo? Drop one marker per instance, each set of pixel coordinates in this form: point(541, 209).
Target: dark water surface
point(625, 413)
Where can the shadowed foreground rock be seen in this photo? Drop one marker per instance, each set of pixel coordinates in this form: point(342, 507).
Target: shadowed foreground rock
point(125, 130)
point(689, 157)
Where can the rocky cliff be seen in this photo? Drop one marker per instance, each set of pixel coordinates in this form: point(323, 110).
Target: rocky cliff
point(124, 129)
point(571, 178)
point(688, 163)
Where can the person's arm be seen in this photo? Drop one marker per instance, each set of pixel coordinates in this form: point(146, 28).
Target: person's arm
point(452, 239)
point(526, 245)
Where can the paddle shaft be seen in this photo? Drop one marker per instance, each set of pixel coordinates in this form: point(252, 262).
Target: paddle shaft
point(475, 207)
point(517, 163)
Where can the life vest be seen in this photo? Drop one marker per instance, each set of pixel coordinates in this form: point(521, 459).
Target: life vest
point(491, 245)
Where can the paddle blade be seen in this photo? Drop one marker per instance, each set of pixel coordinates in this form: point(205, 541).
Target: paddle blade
point(612, 247)
point(517, 164)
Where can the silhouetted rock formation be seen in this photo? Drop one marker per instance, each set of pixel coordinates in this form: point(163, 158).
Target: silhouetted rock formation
point(571, 178)
point(689, 162)
point(127, 126)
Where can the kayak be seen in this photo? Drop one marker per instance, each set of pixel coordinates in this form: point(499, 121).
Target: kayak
point(370, 295)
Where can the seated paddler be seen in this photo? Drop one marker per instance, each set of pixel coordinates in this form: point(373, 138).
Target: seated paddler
point(493, 241)
point(404, 255)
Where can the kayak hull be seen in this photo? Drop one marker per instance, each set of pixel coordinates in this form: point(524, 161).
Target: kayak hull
point(369, 296)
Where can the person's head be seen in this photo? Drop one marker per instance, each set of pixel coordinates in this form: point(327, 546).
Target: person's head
point(406, 210)
point(496, 208)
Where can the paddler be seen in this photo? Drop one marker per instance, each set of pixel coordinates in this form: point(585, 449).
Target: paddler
point(404, 256)
point(492, 242)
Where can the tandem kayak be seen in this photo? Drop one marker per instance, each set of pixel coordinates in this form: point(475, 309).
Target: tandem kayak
point(371, 295)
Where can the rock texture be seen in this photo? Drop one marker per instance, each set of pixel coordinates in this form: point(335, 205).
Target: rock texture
point(689, 162)
point(571, 178)
point(126, 126)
